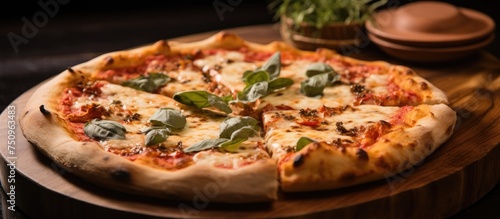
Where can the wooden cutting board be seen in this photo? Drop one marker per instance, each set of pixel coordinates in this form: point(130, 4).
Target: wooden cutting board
point(459, 173)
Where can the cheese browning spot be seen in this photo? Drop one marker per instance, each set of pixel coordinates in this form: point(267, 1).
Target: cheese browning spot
point(342, 130)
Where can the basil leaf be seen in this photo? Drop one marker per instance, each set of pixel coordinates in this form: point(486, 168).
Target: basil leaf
point(253, 92)
point(232, 132)
point(318, 68)
point(227, 98)
point(273, 65)
point(256, 76)
point(231, 125)
point(202, 99)
point(219, 103)
point(148, 83)
point(278, 83)
point(156, 136)
point(168, 117)
point(232, 145)
point(302, 142)
point(315, 85)
point(244, 133)
point(205, 144)
point(193, 98)
point(104, 130)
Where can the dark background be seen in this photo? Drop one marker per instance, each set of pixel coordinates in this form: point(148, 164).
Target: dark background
point(81, 30)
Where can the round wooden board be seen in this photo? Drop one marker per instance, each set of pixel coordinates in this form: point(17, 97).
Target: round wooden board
point(459, 173)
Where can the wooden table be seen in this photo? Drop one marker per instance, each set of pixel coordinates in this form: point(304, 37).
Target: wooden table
point(458, 174)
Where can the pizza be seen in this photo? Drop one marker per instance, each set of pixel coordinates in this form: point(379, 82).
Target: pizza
point(237, 120)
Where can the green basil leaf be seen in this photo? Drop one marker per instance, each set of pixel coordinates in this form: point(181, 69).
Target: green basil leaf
point(302, 142)
point(156, 136)
point(148, 83)
point(219, 103)
point(273, 65)
point(279, 83)
point(104, 130)
point(169, 117)
point(253, 92)
point(244, 133)
point(232, 145)
point(193, 98)
point(227, 98)
point(202, 99)
point(233, 124)
point(255, 76)
point(318, 68)
point(205, 144)
point(315, 85)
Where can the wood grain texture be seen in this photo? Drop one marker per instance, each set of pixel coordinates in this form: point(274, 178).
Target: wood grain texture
point(459, 173)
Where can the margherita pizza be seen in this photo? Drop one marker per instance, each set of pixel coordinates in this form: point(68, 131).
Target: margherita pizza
point(169, 118)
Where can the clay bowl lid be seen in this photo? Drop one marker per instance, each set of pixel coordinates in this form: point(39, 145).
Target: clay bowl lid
point(429, 22)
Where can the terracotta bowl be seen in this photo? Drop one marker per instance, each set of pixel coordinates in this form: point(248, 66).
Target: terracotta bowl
point(429, 55)
point(431, 24)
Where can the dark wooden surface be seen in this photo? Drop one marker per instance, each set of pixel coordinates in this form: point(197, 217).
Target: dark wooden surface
point(458, 174)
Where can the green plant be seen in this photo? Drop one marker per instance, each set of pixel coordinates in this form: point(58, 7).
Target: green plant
point(321, 12)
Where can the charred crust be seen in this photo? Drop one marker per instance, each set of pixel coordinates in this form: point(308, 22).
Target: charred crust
point(298, 160)
point(109, 60)
point(348, 176)
point(71, 70)
point(382, 164)
point(409, 72)
point(362, 155)
point(106, 158)
point(44, 111)
point(121, 175)
point(424, 85)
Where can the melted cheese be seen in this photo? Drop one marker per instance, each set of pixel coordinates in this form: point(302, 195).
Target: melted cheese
point(377, 83)
point(228, 66)
point(282, 135)
point(184, 80)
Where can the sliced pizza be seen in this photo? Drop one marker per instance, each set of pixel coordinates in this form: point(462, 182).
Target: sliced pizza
point(342, 146)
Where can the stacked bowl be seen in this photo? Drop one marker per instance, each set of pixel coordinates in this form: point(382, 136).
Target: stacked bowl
point(428, 31)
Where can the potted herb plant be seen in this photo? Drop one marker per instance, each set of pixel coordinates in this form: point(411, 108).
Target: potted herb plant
point(308, 24)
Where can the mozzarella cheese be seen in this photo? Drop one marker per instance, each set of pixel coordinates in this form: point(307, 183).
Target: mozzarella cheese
point(281, 134)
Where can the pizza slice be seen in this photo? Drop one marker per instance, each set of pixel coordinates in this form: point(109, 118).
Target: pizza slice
point(334, 147)
point(148, 144)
